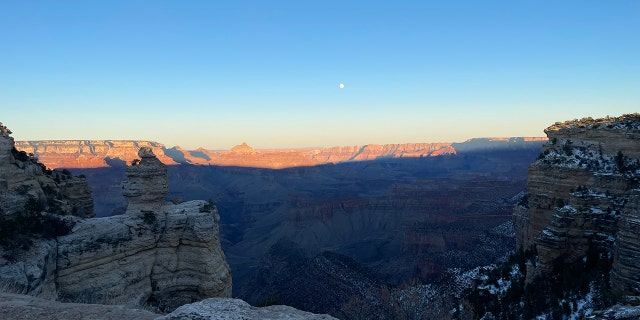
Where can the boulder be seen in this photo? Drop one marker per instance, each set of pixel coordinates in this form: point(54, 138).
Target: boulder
point(232, 309)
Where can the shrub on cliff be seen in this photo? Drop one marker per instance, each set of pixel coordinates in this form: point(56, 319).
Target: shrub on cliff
point(17, 233)
point(149, 217)
point(208, 207)
point(19, 155)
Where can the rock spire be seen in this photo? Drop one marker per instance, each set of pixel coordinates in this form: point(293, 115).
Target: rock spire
point(147, 184)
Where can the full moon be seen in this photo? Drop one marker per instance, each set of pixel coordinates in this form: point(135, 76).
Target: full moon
point(342, 86)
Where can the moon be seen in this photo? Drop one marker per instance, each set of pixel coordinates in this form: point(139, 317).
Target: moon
point(342, 86)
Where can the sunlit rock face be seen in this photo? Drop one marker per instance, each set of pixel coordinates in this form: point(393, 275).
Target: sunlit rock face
point(583, 195)
point(90, 153)
point(103, 153)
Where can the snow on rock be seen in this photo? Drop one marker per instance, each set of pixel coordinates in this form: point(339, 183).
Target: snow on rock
point(625, 312)
point(233, 309)
point(502, 284)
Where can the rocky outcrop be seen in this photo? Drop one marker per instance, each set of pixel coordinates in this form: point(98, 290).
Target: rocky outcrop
point(147, 184)
point(167, 257)
point(24, 181)
point(232, 309)
point(159, 254)
point(18, 306)
point(89, 153)
point(582, 196)
point(102, 153)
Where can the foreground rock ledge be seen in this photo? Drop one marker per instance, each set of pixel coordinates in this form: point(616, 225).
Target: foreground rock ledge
point(18, 306)
point(231, 309)
point(159, 254)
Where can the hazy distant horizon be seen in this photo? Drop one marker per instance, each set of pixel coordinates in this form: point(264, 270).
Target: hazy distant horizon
point(213, 74)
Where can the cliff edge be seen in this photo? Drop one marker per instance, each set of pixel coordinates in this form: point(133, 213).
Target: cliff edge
point(583, 195)
point(159, 254)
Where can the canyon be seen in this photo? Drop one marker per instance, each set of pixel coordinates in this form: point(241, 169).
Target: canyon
point(504, 227)
point(104, 153)
point(405, 219)
point(57, 261)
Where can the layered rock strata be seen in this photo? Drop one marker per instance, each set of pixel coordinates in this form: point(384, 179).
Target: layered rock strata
point(147, 184)
point(582, 195)
point(158, 253)
point(24, 179)
point(90, 153)
point(161, 253)
point(103, 153)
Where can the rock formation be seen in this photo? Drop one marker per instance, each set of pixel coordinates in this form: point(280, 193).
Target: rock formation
point(90, 153)
point(103, 153)
point(17, 306)
point(158, 253)
point(582, 196)
point(147, 184)
point(23, 180)
point(230, 309)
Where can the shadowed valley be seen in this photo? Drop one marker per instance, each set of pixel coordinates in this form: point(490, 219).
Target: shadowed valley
point(403, 218)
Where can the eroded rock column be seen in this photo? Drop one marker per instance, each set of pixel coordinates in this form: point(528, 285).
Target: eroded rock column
point(147, 184)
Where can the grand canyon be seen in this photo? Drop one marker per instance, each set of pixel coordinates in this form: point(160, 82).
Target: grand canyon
point(489, 226)
point(402, 210)
point(322, 160)
point(105, 153)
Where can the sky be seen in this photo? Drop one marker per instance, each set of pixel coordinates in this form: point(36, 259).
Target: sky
point(214, 74)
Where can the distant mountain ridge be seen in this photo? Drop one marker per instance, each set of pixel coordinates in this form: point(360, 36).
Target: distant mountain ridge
point(112, 153)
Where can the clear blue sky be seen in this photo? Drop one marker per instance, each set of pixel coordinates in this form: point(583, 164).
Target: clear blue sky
point(217, 73)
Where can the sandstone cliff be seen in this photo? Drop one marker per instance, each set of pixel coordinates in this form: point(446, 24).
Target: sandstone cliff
point(102, 153)
point(90, 153)
point(26, 182)
point(582, 196)
point(158, 253)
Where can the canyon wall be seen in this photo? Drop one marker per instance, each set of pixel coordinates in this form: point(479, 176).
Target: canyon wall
point(89, 153)
point(582, 197)
point(26, 182)
point(103, 153)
